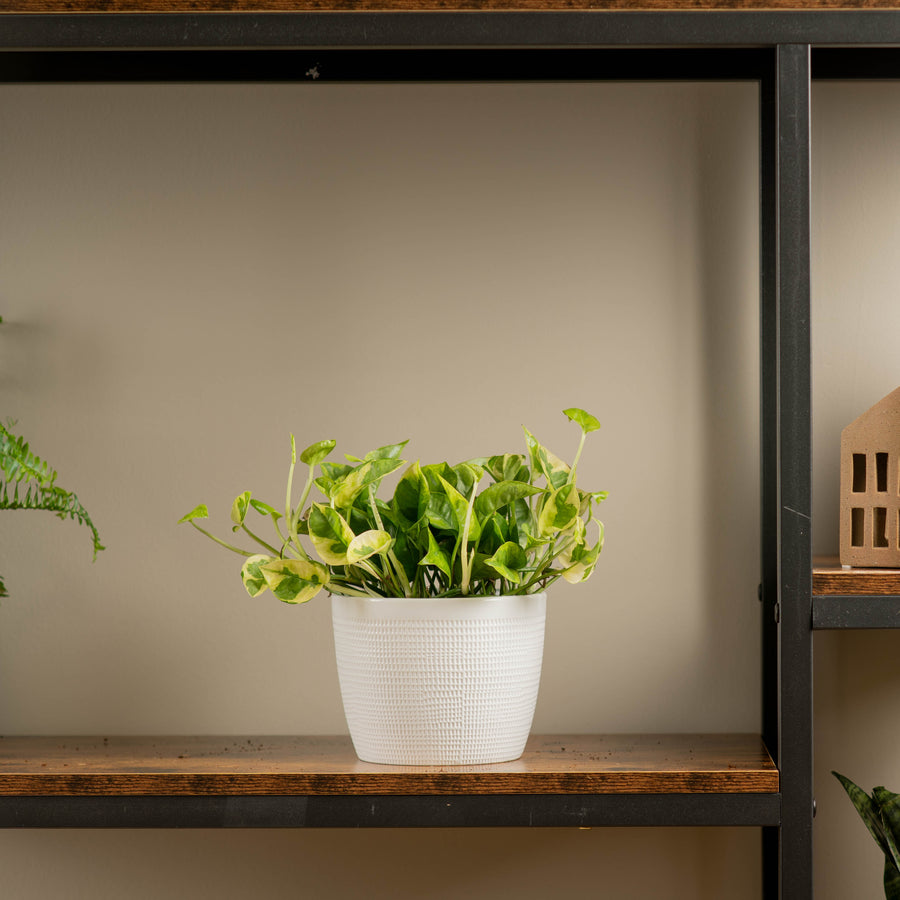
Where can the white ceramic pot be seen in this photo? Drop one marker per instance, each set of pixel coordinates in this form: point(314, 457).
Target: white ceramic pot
point(450, 681)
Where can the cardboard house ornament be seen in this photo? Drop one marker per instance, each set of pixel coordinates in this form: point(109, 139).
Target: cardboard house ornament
point(870, 487)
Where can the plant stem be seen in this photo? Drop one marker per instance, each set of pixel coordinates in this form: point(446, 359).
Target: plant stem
point(260, 541)
point(571, 477)
point(395, 563)
point(466, 559)
point(224, 544)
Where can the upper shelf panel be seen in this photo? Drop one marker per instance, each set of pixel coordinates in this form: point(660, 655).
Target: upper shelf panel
point(830, 578)
point(855, 598)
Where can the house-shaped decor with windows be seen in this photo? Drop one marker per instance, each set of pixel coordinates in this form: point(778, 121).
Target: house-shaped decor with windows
point(870, 486)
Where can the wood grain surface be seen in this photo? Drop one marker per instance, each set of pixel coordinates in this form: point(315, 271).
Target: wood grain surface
point(199, 6)
point(830, 578)
point(195, 766)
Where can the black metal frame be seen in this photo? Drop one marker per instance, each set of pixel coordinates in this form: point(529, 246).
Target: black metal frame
point(394, 811)
point(773, 48)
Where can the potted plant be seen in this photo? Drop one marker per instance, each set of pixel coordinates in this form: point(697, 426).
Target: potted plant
point(881, 814)
point(438, 592)
point(28, 482)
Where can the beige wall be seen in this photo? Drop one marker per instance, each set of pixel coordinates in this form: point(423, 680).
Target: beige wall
point(191, 273)
point(856, 318)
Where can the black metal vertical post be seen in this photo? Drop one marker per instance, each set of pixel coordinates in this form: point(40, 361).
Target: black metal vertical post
point(794, 602)
point(768, 367)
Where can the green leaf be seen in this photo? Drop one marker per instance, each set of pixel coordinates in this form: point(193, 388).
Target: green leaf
point(501, 494)
point(460, 506)
point(494, 533)
point(411, 494)
point(389, 451)
point(468, 474)
point(315, 453)
point(436, 556)
point(368, 544)
point(252, 575)
point(264, 509)
point(330, 534)
point(508, 467)
point(587, 422)
point(334, 471)
point(198, 512)
point(509, 561)
point(295, 580)
point(439, 511)
point(239, 509)
point(361, 477)
point(435, 472)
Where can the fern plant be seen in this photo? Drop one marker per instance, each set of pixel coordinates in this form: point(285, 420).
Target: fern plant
point(28, 482)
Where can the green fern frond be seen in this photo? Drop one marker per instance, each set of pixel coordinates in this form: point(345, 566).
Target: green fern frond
point(28, 482)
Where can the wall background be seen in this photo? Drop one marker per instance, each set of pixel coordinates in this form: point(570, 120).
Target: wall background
point(189, 273)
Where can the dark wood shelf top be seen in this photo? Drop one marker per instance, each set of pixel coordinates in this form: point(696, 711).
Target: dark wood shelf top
point(830, 578)
point(327, 766)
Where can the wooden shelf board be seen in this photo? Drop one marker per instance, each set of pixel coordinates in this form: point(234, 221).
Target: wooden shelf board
point(830, 578)
point(327, 766)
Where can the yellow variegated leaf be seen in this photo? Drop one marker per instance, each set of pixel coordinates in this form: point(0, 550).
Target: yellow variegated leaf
point(252, 575)
point(239, 509)
point(330, 534)
point(295, 580)
point(368, 544)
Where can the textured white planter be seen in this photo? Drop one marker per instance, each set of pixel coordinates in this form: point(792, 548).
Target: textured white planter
point(450, 681)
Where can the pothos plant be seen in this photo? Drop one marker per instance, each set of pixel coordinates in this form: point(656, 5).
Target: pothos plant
point(881, 814)
point(506, 524)
point(28, 482)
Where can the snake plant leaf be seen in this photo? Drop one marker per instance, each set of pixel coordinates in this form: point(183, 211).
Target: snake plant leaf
point(315, 453)
point(867, 808)
point(198, 512)
point(509, 561)
point(239, 509)
point(252, 575)
point(295, 580)
point(554, 469)
point(587, 422)
point(560, 510)
point(502, 493)
point(330, 534)
point(435, 556)
point(889, 805)
point(891, 881)
point(368, 544)
point(359, 479)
